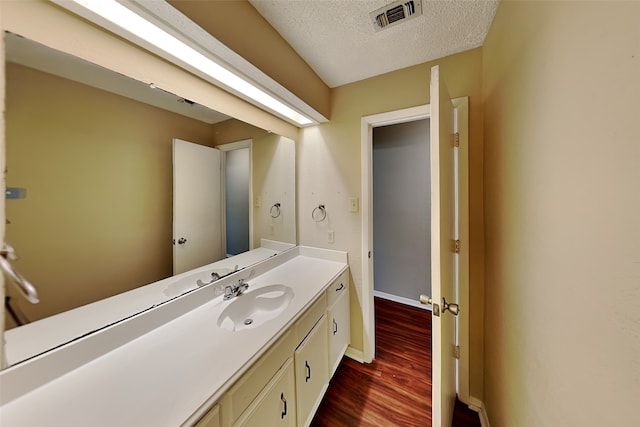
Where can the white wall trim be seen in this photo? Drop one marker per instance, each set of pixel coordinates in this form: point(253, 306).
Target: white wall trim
point(354, 354)
point(402, 300)
point(478, 406)
point(461, 106)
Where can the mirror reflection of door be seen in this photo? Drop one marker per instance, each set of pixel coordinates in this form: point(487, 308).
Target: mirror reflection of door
point(237, 184)
point(197, 201)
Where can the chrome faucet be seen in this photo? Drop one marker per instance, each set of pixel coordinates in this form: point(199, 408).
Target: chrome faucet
point(236, 289)
point(215, 276)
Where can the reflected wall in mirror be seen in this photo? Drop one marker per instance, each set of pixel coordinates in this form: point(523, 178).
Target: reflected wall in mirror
point(97, 168)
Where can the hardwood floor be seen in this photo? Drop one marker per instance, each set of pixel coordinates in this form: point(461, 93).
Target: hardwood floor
point(394, 390)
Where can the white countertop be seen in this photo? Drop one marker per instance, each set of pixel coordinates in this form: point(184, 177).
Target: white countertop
point(163, 376)
point(34, 338)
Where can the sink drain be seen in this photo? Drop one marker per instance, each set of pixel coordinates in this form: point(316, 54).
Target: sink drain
point(248, 321)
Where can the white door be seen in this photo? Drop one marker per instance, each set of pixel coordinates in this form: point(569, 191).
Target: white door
point(197, 206)
point(442, 255)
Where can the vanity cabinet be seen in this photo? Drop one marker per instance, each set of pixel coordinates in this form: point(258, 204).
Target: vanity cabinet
point(311, 359)
point(285, 386)
point(275, 406)
point(211, 418)
point(249, 387)
point(339, 321)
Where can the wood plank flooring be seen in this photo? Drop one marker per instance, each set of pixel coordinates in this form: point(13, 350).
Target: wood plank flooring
point(394, 390)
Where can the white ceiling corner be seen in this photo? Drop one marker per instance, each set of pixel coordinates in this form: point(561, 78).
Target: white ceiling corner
point(338, 41)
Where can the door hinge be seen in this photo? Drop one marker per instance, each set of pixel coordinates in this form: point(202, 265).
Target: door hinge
point(456, 139)
point(456, 246)
point(456, 352)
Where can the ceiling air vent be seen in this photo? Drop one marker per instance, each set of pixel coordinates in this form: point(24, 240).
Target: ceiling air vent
point(395, 13)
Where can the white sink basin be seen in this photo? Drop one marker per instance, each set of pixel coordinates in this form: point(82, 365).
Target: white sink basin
point(255, 307)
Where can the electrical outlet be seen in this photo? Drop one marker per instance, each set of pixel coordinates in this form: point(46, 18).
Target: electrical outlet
point(271, 229)
point(331, 236)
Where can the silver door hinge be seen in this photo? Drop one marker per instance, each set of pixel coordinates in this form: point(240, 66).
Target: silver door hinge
point(456, 246)
point(456, 139)
point(456, 352)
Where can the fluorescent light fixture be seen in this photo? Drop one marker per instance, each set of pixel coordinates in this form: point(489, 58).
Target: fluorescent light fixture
point(138, 26)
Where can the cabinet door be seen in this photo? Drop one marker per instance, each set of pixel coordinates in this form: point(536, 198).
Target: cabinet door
point(339, 331)
point(211, 419)
point(311, 361)
point(276, 404)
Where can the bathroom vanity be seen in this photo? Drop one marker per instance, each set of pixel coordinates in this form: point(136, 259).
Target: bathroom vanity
point(263, 358)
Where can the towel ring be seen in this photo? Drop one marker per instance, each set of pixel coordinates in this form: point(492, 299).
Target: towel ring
point(24, 286)
point(319, 214)
point(275, 210)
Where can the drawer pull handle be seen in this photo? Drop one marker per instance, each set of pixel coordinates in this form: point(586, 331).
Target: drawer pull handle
point(308, 368)
point(341, 287)
point(284, 406)
point(335, 327)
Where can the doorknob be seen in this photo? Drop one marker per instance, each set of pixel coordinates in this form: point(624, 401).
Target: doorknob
point(425, 299)
point(452, 307)
point(182, 241)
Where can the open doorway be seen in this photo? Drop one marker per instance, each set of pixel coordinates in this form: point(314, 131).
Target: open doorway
point(368, 125)
point(402, 212)
point(236, 161)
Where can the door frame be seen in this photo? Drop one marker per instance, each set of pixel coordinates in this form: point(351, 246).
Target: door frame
point(461, 105)
point(224, 148)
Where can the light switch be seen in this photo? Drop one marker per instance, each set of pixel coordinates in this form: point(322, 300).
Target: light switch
point(354, 204)
point(331, 237)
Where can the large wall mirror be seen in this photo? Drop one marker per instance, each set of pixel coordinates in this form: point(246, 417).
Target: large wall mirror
point(90, 153)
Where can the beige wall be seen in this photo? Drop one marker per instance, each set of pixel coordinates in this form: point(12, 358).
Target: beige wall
point(562, 197)
point(97, 219)
point(273, 163)
point(329, 172)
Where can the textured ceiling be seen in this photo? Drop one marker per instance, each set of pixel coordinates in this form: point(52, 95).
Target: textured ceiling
point(337, 39)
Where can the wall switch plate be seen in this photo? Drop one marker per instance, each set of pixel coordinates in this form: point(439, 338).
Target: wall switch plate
point(258, 202)
point(331, 236)
point(354, 205)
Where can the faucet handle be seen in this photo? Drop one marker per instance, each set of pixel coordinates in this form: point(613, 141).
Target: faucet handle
point(249, 277)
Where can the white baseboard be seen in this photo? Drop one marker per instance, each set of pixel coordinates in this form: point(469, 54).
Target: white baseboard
point(484, 418)
point(354, 354)
point(401, 300)
point(477, 405)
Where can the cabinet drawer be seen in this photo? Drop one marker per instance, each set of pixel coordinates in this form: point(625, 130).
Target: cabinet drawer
point(337, 288)
point(245, 390)
point(304, 325)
